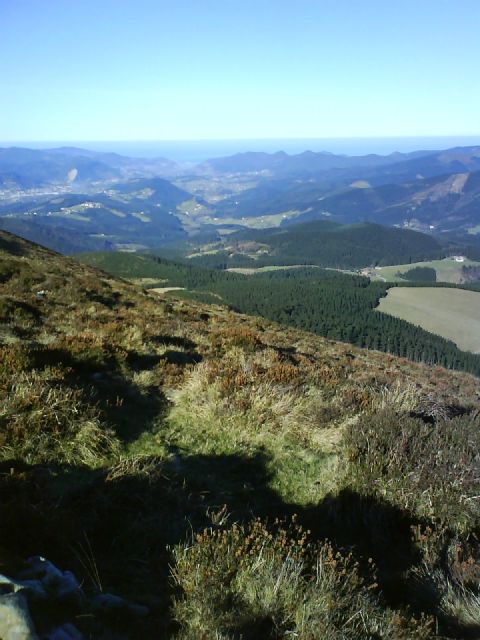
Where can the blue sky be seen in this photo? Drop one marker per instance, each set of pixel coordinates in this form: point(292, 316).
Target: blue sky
point(218, 69)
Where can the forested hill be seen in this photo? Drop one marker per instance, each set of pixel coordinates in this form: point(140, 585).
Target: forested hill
point(332, 304)
point(326, 244)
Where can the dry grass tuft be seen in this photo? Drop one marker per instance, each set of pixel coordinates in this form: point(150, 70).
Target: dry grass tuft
point(42, 420)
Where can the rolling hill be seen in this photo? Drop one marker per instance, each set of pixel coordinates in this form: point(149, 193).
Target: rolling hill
point(321, 243)
point(139, 212)
point(446, 203)
point(438, 190)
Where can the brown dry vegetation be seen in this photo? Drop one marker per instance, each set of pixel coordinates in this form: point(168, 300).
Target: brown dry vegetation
point(171, 435)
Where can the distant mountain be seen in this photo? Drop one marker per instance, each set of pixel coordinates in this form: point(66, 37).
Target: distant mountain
point(439, 190)
point(438, 163)
point(443, 203)
point(128, 200)
point(22, 168)
point(129, 166)
point(308, 162)
point(28, 168)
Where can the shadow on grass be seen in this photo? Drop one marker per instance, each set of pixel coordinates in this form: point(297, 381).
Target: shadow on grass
point(10, 244)
point(125, 519)
point(131, 409)
point(174, 341)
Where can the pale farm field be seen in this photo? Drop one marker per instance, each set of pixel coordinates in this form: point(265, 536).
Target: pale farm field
point(448, 270)
point(451, 313)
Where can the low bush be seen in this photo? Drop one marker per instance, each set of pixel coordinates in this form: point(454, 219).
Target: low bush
point(251, 582)
point(429, 468)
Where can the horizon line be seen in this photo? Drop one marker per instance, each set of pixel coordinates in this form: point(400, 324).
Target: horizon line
point(253, 139)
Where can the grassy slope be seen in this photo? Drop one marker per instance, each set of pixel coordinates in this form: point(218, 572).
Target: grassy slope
point(132, 422)
point(451, 313)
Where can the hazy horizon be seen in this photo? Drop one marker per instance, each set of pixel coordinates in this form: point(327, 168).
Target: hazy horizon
point(190, 151)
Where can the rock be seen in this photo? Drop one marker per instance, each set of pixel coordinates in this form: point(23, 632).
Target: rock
point(107, 602)
point(42, 581)
point(31, 588)
point(38, 567)
point(137, 610)
point(66, 632)
point(15, 621)
point(61, 585)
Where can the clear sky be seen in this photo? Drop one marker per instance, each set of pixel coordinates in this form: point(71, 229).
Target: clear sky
point(224, 69)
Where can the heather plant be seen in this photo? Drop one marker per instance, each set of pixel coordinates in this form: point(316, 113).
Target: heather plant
point(253, 581)
point(428, 468)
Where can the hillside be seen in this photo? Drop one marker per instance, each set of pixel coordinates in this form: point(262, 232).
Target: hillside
point(139, 212)
point(334, 305)
point(321, 243)
point(196, 461)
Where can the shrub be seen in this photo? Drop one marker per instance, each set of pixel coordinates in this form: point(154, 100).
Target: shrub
point(250, 582)
point(14, 358)
point(431, 470)
point(236, 336)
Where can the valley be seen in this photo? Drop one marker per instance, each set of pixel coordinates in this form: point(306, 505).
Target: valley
point(239, 320)
point(331, 303)
point(153, 202)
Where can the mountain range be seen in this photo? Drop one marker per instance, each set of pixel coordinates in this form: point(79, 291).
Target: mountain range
point(22, 168)
point(430, 189)
point(75, 198)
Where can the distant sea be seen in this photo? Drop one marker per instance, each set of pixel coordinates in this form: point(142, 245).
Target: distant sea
point(194, 151)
